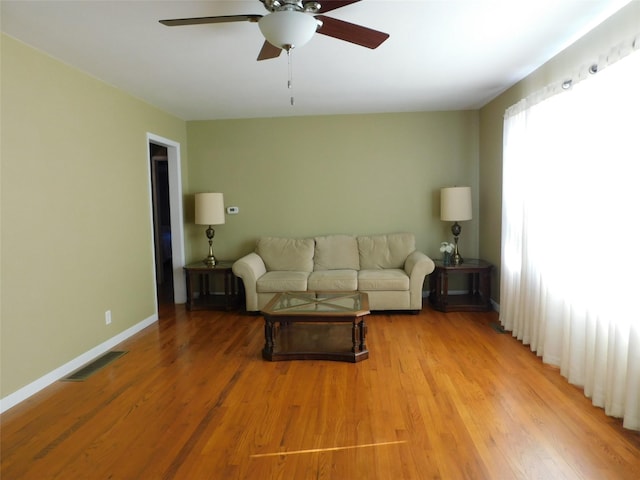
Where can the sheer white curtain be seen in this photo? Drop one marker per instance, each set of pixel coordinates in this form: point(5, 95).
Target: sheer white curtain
point(570, 275)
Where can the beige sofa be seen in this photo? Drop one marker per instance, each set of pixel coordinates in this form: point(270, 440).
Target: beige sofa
point(387, 267)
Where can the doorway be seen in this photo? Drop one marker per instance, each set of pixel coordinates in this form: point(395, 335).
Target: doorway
point(165, 188)
point(161, 223)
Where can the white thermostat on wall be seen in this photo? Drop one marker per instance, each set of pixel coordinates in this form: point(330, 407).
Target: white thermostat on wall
point(232, 210)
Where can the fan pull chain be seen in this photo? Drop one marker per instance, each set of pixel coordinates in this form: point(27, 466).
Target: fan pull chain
point(290, 81)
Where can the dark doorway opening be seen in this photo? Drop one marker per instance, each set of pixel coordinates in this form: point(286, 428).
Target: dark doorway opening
point(161, 223)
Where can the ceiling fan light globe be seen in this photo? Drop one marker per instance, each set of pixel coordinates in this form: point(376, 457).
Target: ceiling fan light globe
point(288, 29)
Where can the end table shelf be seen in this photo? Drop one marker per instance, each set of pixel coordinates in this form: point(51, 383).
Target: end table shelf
point(477, 298)
point(201, 294)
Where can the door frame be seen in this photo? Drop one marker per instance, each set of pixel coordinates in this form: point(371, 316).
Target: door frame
point(175, 205)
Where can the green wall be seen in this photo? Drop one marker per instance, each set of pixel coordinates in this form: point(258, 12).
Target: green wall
point(621, 27)
point(76, 226)
point(356, 174)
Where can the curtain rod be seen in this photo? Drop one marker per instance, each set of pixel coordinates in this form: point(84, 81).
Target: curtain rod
point(614, 54)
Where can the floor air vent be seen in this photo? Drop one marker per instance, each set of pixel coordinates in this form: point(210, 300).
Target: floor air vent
point(91, 368)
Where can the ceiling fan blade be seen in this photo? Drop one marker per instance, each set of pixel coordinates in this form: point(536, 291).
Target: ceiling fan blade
point(350, 32)
point(268, 51)
point(328, 5)
point(203, 20)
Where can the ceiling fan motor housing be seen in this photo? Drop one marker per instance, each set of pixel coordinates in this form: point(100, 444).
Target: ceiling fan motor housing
point(294, 5)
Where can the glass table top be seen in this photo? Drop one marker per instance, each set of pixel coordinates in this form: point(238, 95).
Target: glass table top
point(318, 303)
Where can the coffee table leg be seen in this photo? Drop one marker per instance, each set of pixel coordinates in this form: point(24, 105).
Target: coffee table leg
point(354, 336)
point(268, 335)
point(363, 335)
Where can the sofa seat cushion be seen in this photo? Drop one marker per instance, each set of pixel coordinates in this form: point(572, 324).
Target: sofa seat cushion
point(389, 279)
point(385, 251)
point(327, 280)
point(336, 252)
point(282, 281)
point(290, 254)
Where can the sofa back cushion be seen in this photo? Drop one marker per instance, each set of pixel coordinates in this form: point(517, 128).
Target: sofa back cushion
point(336, 252)
point(288, 254)
point(385, 251)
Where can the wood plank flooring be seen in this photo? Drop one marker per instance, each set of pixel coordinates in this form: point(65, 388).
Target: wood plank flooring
point(442, 396)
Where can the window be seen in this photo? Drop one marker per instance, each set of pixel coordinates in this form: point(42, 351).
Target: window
point(570, 226)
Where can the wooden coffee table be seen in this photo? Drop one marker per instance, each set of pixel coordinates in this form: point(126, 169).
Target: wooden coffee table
point(316, 326)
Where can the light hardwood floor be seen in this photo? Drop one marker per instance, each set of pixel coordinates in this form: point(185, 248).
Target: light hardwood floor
point(442, 396)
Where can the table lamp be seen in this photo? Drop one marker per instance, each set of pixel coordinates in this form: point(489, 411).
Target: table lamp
point(455, 206)
point(209, 211)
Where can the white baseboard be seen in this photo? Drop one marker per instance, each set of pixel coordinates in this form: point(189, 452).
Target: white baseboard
point(34, 387)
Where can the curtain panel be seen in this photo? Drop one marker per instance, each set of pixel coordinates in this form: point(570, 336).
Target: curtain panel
point(570, 230)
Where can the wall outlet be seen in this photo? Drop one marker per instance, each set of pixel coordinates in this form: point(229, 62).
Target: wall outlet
point(107, 317)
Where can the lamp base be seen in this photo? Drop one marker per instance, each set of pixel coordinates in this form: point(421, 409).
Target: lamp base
point(210, 261)
point(456, 258)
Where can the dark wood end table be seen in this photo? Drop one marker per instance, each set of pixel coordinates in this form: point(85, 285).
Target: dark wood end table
point(201, 284)
point(478, 295)
point(316, 326)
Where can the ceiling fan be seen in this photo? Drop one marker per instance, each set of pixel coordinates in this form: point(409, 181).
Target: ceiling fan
point(292, 23)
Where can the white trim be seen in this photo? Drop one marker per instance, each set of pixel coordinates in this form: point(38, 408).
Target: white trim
point(496, 305)
point(175, 205)
point(34, 387)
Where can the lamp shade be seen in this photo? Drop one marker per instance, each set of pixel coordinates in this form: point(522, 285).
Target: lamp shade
point(455, 203)
point(288, 29)
point(209, 209)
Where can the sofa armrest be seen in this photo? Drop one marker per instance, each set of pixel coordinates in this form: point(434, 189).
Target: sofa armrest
point(418, 266)
point(250, 268)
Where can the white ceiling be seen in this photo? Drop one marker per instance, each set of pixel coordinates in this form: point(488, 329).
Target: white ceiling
point(441, 55)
